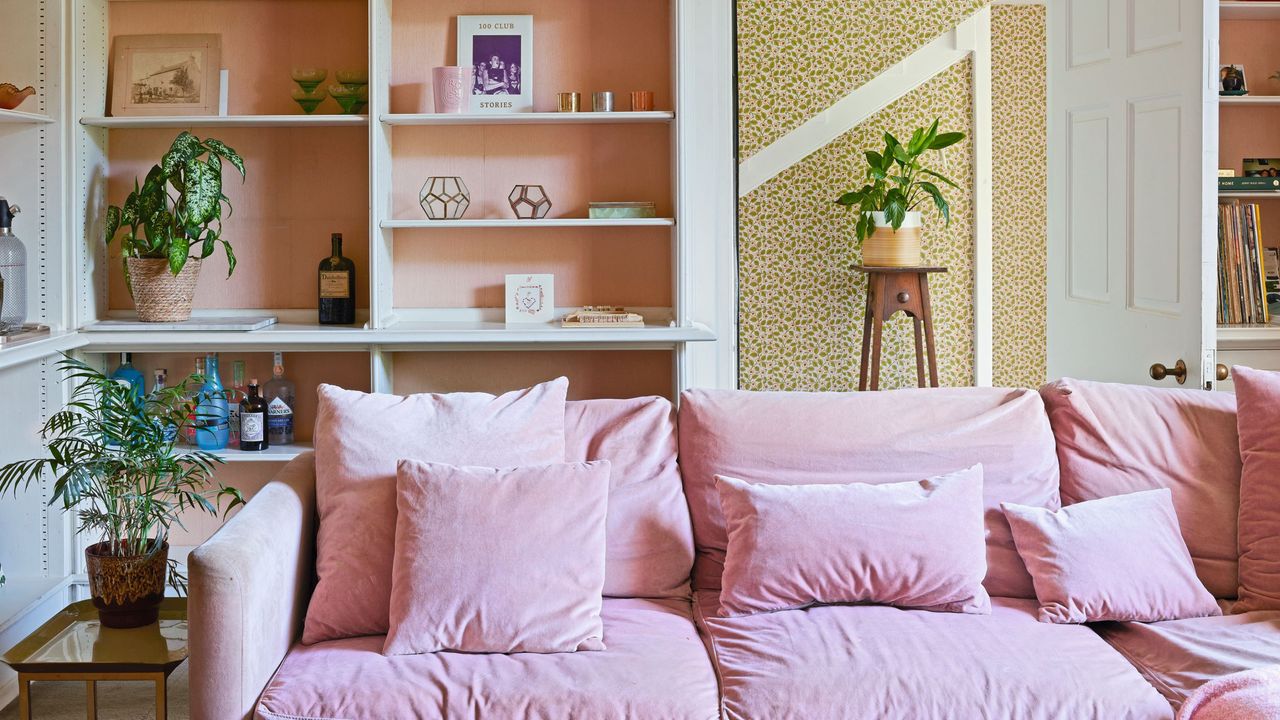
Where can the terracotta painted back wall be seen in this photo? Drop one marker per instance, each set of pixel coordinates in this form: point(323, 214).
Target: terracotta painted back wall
point(800, 303)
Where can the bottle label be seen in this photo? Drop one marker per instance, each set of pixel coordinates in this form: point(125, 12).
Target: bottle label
point(279, 416)
point(335, 284)
point(252, 427)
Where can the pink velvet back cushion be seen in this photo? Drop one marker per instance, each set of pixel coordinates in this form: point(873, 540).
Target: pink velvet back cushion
point(1259, 424)
point(650, 540)
point(1116, 558)
point(913, 544)
point(498, 560)
point(359, 439)
point(1119, 439)
point(880, 437)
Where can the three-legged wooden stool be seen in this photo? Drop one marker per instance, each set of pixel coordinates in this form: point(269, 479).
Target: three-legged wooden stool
point(888, 291)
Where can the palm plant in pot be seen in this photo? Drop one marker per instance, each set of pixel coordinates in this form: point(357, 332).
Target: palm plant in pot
point(170, 223)
point(890, 227)
point(113, 462)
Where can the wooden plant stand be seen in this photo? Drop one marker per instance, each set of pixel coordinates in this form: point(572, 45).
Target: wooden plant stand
point(890, 289)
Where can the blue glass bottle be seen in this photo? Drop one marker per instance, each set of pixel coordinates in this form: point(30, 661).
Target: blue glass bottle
point(129, 374)
point(213, 418)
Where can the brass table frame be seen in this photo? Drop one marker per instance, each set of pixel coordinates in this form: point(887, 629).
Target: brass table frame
point(117, 664)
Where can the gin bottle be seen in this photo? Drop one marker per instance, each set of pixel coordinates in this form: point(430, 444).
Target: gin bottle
point(161, 379)
point(279, 393)
point(128, 373)
point(212, 421)
point(253, 421)
point(234, 399)
point(189, 432)
point(13, 272)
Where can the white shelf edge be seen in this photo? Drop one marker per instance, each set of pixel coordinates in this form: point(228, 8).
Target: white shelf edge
point(42, 349)
point(1229, 10)
point(280, 454)
point(19, 117)
point(535, 118)
point(227, 121)
point(1246, 195)
point(1248, 337)
point(1249, 99)
point(524, 224)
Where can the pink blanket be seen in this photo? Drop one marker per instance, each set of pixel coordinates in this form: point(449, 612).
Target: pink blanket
point(1248, 695)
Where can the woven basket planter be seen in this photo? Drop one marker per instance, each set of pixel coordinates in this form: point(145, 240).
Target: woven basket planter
point(894, 248)
point(159, 295)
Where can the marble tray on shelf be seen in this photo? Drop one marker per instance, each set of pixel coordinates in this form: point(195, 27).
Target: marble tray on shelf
point(234, 323)
point(25, 334)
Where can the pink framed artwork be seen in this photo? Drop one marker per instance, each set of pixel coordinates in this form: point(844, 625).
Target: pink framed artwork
point(166, 75)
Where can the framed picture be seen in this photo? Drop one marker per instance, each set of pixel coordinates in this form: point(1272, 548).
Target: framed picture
point(1262, 167)
point(166, 75)
point(1231, 80)
point(531, 298)
point(500, 48)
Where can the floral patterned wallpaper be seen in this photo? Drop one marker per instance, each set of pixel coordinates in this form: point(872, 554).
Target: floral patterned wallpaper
point(800, 302)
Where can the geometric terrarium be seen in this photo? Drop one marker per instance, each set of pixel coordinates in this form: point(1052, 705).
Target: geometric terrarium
point(444, 198)
point(530, 202)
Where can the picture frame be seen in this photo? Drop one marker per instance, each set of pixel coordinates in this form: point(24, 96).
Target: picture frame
point(500, 48)
point(531, 299)
point(1232, 80)
point(166, 75)
point(1262, 167)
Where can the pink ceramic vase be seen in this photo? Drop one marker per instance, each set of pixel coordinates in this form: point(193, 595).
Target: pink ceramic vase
point(453, 88)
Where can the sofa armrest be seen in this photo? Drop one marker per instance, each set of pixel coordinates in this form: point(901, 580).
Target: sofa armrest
point(249, 586)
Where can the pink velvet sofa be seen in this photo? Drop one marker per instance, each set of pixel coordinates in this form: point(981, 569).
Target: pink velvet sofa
point(669, 653)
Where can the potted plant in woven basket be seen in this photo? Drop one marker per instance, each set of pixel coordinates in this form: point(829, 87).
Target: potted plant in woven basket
point(890, 226)
point(171, 222)
point(112, 460)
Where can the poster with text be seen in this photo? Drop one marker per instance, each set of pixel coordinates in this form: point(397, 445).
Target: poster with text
point(500, 48)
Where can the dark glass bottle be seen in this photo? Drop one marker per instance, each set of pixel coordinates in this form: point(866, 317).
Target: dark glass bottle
point(337, 285)
point(253, 421)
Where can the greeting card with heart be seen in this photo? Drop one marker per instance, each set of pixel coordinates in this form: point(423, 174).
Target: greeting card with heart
point(531, 298)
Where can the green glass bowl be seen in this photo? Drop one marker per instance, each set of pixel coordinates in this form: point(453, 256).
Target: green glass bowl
point(309, 78)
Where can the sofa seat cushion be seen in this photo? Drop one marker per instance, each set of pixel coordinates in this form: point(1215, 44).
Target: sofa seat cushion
point(655, 666)
point(1179, 656)
point(877, 662)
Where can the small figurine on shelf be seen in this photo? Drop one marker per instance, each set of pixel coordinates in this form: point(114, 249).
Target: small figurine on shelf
point(11, 97)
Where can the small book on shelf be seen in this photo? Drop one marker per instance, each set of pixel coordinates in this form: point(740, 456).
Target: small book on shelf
point(600, 316)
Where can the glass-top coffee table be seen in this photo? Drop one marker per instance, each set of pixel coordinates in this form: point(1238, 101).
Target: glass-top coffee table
point(73, 646)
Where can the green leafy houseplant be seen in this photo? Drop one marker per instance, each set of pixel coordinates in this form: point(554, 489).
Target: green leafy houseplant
point(897, 182)
point(177, 211)
point(112, 456)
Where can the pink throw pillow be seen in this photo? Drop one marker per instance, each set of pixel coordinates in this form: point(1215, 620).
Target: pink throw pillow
point(359, 438)
point(910, 544)
point(498, 560)
point(1115, 558)
point(1258, 418)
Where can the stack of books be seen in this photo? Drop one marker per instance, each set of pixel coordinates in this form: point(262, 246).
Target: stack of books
point(1242, 292)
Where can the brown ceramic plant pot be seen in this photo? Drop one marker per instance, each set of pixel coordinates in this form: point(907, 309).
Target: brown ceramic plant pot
point(126, 590)
point(893, 248)
point(159, 295)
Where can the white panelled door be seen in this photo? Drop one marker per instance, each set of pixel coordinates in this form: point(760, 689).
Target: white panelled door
point(1132, 207)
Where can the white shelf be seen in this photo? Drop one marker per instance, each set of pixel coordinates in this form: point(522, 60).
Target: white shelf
point(21, 595)
point(281, 336)
point(525, 224)
point(1249, 99)
point(537, 118)
point(37, 350)
point(1249, 10)
point(1249, 337)
point(186, 121)
point(280, 454)
point(19, 117)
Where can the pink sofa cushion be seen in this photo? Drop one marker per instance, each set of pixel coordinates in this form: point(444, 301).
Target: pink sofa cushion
point(875, 662)
point(879, 437)
point(1179, 656)
point(1258, 393)
point(915, 544)
point(1248, 694)
point(498, 560)
point(649, 539)
point(1116, 558)
point(655, 667)
point(359, 438)
point(1118, 439)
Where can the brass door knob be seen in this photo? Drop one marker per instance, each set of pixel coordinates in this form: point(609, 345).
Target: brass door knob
point(1178, 372)
point(1223, 372)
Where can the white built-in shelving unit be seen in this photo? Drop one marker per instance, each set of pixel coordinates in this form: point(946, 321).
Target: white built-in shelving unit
point(62, 156)
point(1246, 10)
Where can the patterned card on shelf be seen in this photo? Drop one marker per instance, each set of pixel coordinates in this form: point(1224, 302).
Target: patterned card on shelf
point(531, 299)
